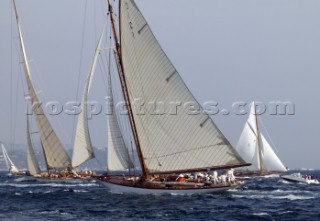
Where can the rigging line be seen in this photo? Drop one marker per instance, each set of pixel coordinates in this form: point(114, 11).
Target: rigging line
point(265, 129)
point(11, 77)
point(38, 79)
point(80, 65)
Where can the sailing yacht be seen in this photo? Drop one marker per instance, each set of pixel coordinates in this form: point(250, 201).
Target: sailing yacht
point(168, 146)
point(12, 169)
point(254, 148)
point(57, 161)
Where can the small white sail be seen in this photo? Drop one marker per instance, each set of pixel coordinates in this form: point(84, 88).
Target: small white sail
point(248, 148)
point(56, 155)
point(117, 154)
point(271, 161)
point(169, 142)
point(10, 165)
point(247, 145)
point(83, 150)
point(33, 165)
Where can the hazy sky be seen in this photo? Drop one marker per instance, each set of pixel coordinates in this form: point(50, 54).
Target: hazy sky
point(225, 50)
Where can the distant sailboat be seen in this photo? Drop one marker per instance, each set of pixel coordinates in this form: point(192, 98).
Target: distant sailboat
point(12, 169)
point(56, 157)
point(254, 148)
point(167, 145)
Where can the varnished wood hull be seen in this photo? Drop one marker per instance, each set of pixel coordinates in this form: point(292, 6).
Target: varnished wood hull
point(157, 188)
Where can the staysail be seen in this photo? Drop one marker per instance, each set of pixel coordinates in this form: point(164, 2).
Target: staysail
point(175, 140)
point(83, 150)
point(55, 154)
point(33, 165)
point(118, 154)
point(10, 165)
point(270, 159)
point(248, 148)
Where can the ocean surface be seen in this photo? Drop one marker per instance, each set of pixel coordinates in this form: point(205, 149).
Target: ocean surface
point(260, 199)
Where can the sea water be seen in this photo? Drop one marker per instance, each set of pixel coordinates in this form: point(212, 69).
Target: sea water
point(260, 199)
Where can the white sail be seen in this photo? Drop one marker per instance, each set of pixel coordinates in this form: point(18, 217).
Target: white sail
point(10, 165)
point(83, 150)
point(247, 145)
point(169, 142)
point(55, 154)
point(33, 165)
point(118, 154)
point(271, 161)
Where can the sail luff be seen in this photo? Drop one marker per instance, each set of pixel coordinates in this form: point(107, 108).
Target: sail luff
point(33, 165)
point(124, 86)
point(83, 150)
point(168, 142)
point(55, 153)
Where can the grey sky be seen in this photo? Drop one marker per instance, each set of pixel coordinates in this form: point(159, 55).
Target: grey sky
point(225, 51)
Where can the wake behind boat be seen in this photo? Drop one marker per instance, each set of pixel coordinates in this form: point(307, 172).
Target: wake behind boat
point(299, 178)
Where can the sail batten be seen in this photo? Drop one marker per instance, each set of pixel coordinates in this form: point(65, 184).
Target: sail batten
point(56, 155)
point(169, 142)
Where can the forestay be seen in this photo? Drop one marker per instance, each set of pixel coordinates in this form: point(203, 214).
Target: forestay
point(169, 142)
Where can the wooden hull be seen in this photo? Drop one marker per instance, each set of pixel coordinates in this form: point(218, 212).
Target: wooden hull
point(163, 188)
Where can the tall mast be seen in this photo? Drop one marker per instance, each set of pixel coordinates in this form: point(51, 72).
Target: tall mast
point(124, 86)
point(259, 140)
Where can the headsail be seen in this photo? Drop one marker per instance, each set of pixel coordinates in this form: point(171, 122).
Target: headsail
point(33, 165)
point(10, 165)
point(83, 150)
point(55, 154)
point(169, 142)
point(118, 154)
point(271, 161)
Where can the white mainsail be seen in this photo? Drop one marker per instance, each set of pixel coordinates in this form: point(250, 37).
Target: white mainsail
point(169, 142)
point(33, 165)
point(118, 154)
point(55, 154)
point(248, 147)
point(10, 165)
point(83, 150)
